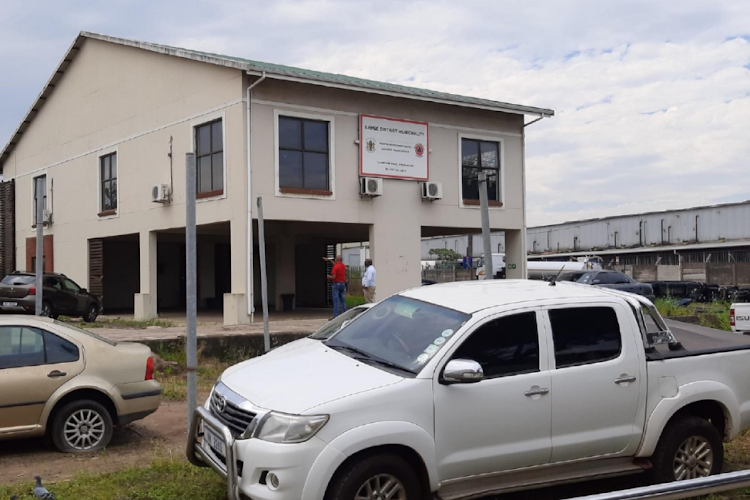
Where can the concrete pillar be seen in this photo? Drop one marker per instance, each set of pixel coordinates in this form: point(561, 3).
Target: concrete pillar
point(285, 268)
point(235, 303)
point(395, 247)
point(145, 302)
point(515, 254)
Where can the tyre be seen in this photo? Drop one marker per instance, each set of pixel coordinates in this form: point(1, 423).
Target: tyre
point(378, 477)
point(82, 426)
point(689, 448)
point(47, 310)
point(92, 311)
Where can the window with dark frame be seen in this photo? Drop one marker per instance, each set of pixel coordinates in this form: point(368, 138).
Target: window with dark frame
point(304, 156)
point(209, 159)
point(108, 180)
point(42, 179)
point(478, 156)
point(585, 335)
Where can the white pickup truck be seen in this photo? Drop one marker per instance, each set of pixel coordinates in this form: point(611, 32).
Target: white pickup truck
point(462, 390)
point(739, 317)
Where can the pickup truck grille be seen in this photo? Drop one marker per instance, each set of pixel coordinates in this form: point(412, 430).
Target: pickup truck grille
point(234, 417)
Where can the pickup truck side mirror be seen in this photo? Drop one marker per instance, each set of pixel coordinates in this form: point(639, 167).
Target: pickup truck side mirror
point(462, 371)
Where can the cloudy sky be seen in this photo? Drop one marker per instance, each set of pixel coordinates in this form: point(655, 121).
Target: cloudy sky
point(652, 99)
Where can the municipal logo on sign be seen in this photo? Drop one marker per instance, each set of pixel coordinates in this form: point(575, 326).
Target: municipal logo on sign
point(419, 149)
point(370, 145)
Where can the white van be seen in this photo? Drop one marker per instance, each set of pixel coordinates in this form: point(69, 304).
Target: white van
point(498, 266)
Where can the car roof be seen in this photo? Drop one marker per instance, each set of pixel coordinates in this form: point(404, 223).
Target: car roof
point(24, 319)
point(27, 273)
point(472, 296)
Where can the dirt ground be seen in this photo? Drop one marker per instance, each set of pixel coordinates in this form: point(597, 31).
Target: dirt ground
point(160, 435)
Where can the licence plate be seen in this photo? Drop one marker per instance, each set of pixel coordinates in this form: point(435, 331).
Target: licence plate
point(10, 304)
point(214, 441)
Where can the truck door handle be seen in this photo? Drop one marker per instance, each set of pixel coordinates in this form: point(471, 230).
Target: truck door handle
point(541, 391)
point(625, 379)
point(56, 374)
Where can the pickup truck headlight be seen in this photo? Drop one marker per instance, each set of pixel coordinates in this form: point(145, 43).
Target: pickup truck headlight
point(283, 428)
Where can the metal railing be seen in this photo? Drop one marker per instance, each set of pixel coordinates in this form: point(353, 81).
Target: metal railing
point(679, 489)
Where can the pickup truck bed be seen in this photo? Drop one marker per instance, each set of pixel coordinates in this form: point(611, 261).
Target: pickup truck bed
point(703, 339)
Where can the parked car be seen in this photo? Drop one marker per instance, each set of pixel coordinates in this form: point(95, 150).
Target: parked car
point(339, 322)
point(471, 389)
point(61, 296)
point(739, 317)
point(69, 384)
point(610, 279)
point(426, 282)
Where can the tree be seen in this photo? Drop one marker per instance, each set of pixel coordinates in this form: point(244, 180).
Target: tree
point(445, 255)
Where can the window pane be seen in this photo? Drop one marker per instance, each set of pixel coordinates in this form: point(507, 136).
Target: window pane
point(59, 350)
point(316, 171)
point(203, 140)
point(470, 190)
point(217, 172)
point(584, 335)
point(113, 166)
point(504, 346)
point(290, 169)
point(290, 133)
point(490, 156)
point(106, 200)
point(316, 136)
point(113, 194)
point(204, 174)
point(469, 153)
point(105, 168)
point(493, 187)
point(71, 286)
point(20, 346)
point(217, 137)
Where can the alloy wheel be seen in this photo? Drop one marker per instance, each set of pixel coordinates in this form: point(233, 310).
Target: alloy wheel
point(84, 429)
point(694, 458)
point(381, 487)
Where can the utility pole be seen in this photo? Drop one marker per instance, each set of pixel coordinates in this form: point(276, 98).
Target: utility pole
point(39, 267)
point(191, 285)
point(489, 272)
point(263, 276)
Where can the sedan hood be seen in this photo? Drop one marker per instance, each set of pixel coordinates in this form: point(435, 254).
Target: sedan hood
point(302, 376)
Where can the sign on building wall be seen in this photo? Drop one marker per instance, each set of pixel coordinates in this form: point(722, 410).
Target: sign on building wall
point(389, 147)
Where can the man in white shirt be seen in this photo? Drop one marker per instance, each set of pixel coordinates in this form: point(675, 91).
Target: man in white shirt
point(368, 281)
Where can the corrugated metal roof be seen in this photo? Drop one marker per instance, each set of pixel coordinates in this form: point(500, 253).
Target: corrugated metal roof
point(275, 71)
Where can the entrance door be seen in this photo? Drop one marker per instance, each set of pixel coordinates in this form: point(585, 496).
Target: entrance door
point(503, 421)
point(596, 384)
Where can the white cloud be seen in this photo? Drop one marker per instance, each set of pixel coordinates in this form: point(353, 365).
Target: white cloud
point(652, 99)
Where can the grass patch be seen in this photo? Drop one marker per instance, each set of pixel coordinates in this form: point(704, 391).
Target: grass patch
point(354, 301)
point(120, 323)
point(162, 480)
point(712, 315)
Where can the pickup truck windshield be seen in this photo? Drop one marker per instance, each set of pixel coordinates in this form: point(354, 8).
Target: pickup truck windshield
point(399, 332)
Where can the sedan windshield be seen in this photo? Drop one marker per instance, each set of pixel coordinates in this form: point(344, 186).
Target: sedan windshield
point(577, 277)
point(399, 333)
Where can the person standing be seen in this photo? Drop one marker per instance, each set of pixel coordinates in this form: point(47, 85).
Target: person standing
point(368, 281)
point(338, 286)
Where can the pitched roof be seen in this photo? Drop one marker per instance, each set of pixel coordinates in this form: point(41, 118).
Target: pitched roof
point(273, 71)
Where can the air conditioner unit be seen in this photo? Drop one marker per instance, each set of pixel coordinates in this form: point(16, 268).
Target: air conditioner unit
point(371, 186)
point(432, 190)
point(160, 193)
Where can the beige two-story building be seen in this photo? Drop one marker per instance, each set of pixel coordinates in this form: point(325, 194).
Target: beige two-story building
point(110, 131)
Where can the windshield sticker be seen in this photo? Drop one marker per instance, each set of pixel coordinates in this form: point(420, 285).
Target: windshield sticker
point(422, 359)
point(431, 349)
point(439, 341)
point(447, 333)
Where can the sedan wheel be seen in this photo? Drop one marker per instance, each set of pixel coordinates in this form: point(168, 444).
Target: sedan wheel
point(91, 313)
point(82, 426)
point(46, 310)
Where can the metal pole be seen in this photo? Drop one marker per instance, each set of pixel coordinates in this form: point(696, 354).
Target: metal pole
point(263, 278)
point(489, 272)
point(191, 285)
point(39, 268)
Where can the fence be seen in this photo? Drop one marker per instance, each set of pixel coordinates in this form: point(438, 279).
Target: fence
point(448, 275)
point(712, 273)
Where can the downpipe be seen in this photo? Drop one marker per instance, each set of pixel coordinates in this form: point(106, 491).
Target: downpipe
point(249, 292)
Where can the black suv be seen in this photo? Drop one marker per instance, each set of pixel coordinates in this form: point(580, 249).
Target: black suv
point(610, 279)
point(60, 296)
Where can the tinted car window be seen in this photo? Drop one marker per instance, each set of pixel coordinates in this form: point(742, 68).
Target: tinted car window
point(18, 280)
point(605, 278)
point(59, 350)
point(584, 335)
point(504, 346)
point(620, 278)
point(53, 283)
point(20, 346)
point(70, 286)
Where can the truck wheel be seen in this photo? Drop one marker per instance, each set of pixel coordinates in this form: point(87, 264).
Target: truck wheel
point(81, 426)
point(689, 448)
point(379, 477)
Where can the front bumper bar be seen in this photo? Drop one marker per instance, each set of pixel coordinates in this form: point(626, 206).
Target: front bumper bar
point(198, 456)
